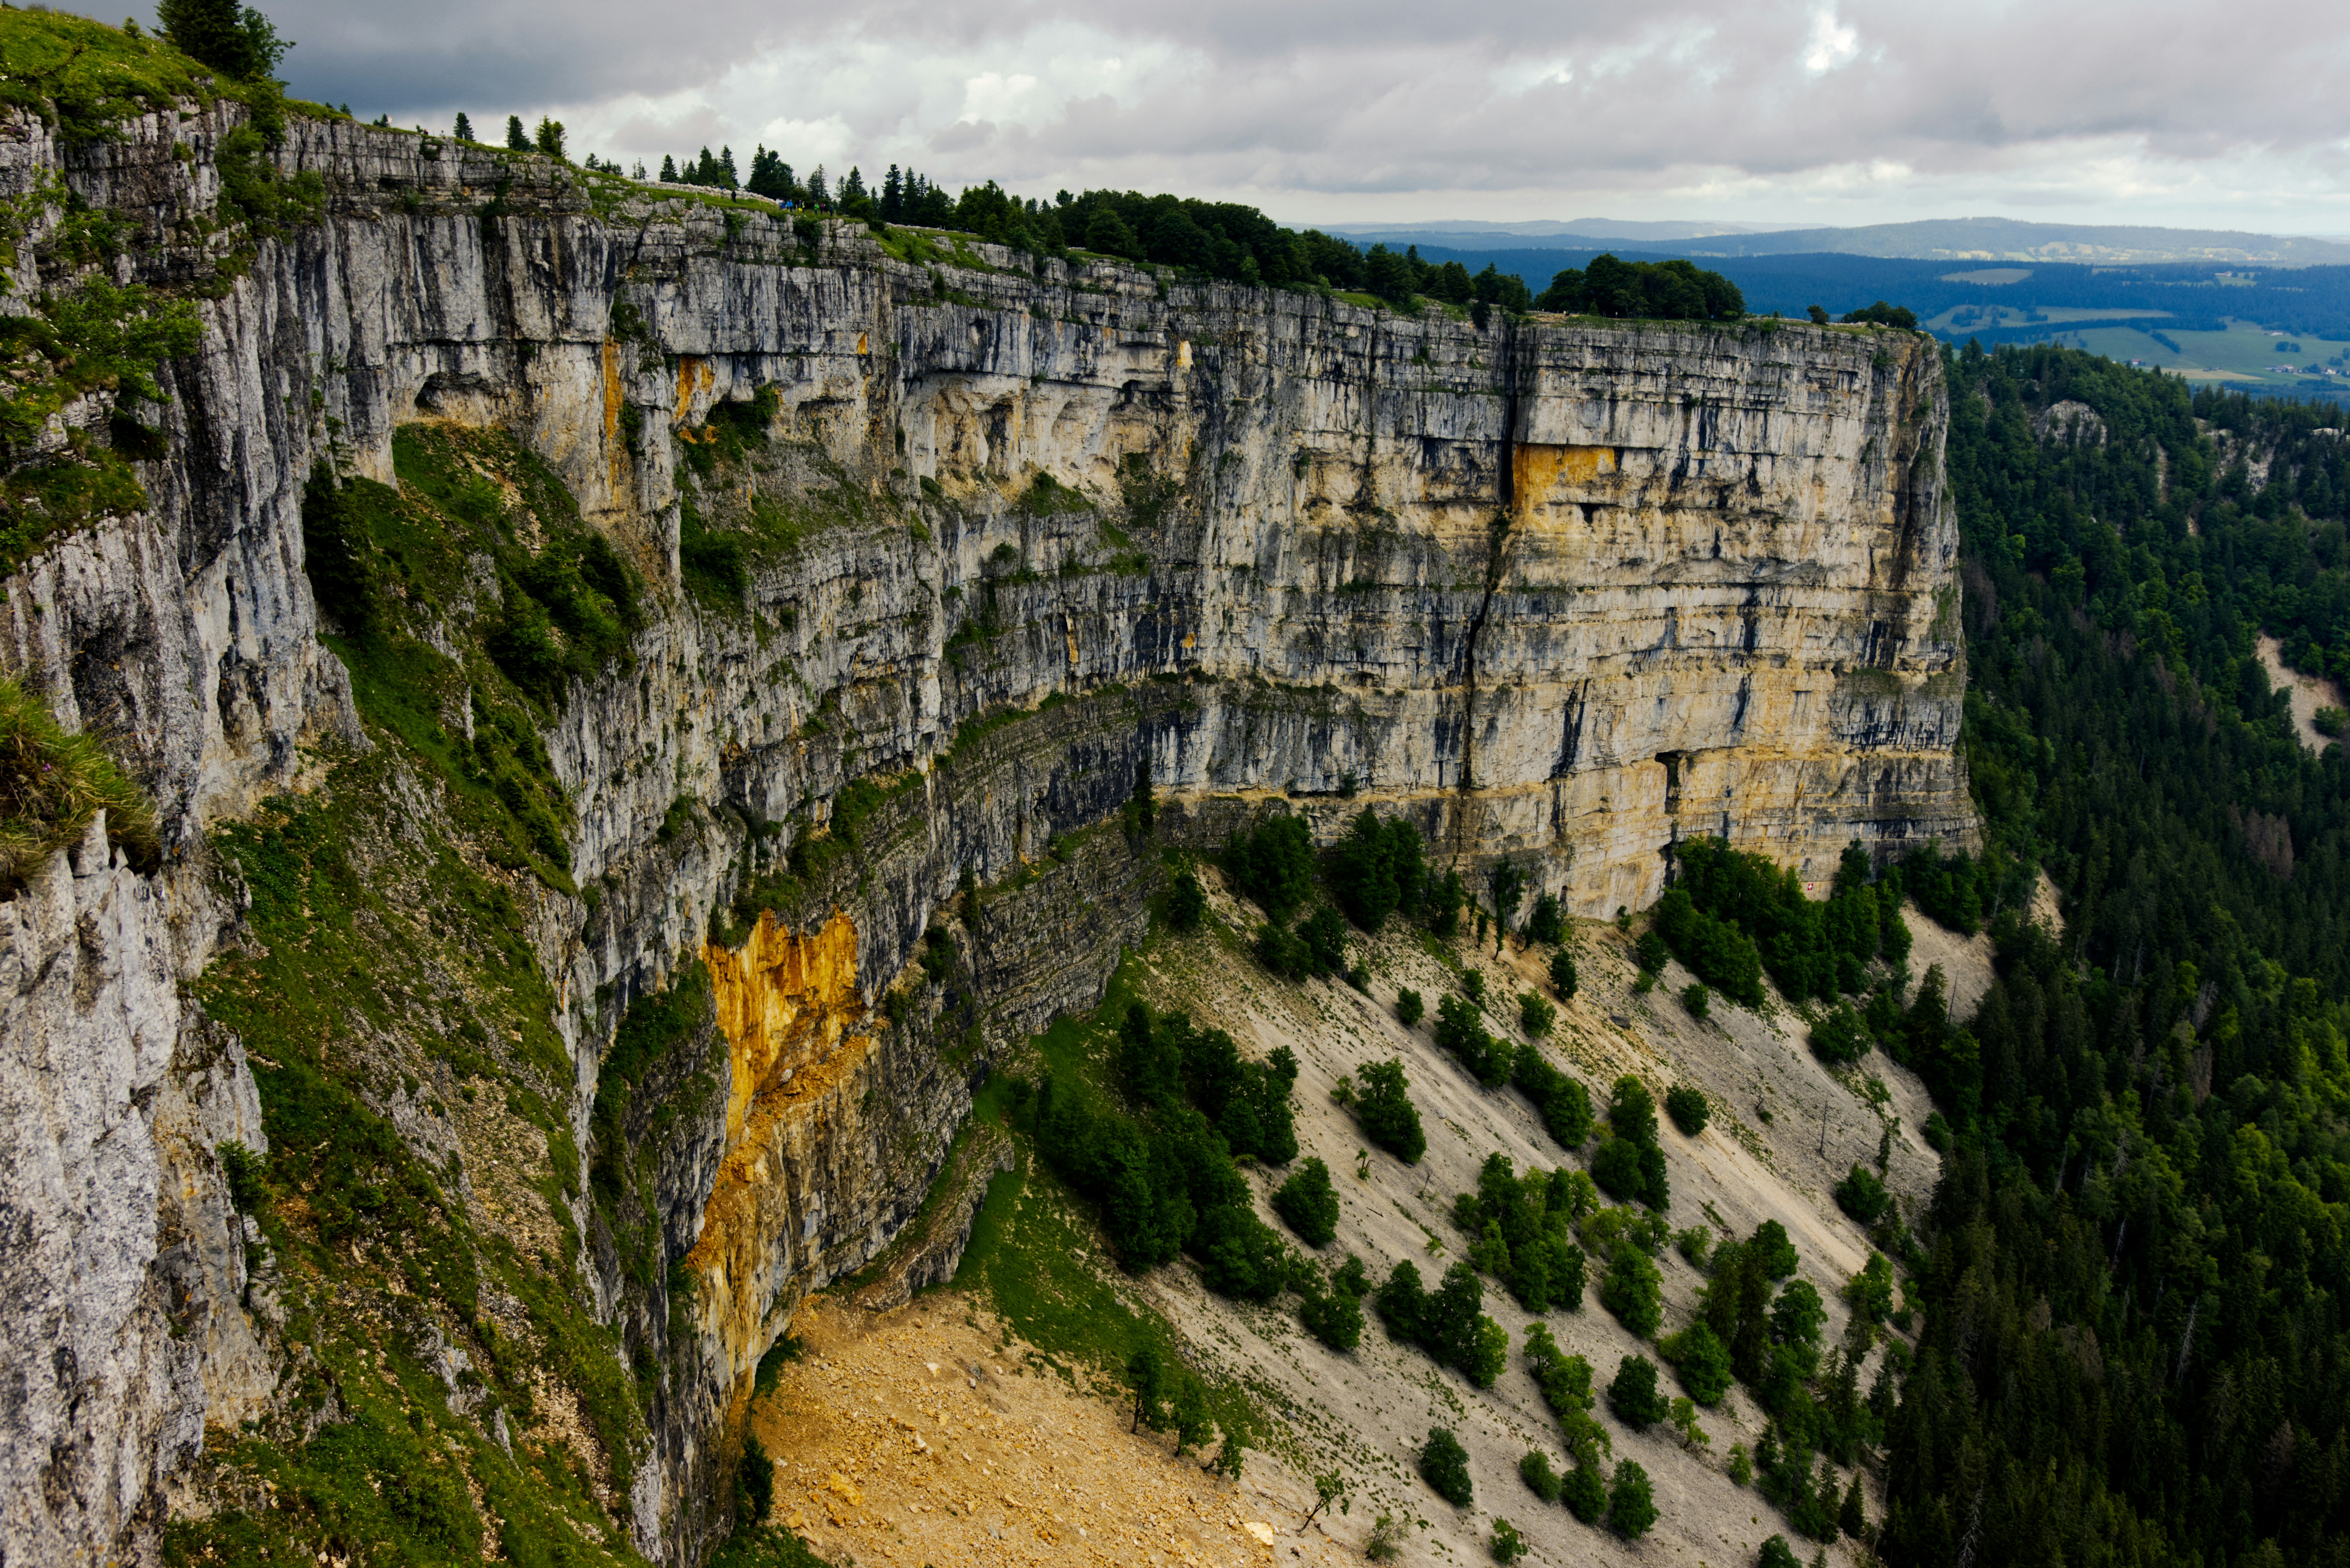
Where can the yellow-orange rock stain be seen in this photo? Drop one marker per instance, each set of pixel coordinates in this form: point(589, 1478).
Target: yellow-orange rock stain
point(787, 1006)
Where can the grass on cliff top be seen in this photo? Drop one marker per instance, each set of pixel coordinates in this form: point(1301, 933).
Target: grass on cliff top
point(52, 784)
point(86, 78)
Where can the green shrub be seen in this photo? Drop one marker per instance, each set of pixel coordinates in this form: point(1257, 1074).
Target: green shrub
point(1632, 1290)
point(1460, 1030)
point(1840, 1037)
point(1631, 1507)
point(1938, 1134)
point(336, 554)
point(1948, 889)
point(1444, 1466)
point(1540, 1479)
point(1701, 1361)
point(1386, 1113)
point(1402, 1303)
point(1773, 1251)
point(1688, 1107)
point(938, 955)
point(1375, 870)
point(1283, 951)
point(1323, 932)
point(1652, 952)
point(1443, 900)
point(1633, 1395)
point(1632, 1110)
point(1584, 1494)
point(1797, 1314)
point(1409, 1008)
point(1870, 1292)
point(710, 562)
point(1335, 1316)
point(1861, 1194)
point(1308, 1204)
point(1777, 1554)
point(52, 784)
point(1166, 1182)
point(1564, 1103)
point(1561, 974)
point(1507, 1545)
point(248, 1174)
point(1273, 864)
point(1239, 1255)
point(1472, 984)
point(1545, 923)
point(755, 1485)
point(1715, 951)
point(2330, 721)
point(1536, 1015)
point(1186, 902)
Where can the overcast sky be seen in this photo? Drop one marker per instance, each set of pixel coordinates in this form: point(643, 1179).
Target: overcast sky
point(2202, 115)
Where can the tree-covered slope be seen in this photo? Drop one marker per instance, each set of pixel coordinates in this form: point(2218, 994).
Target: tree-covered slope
point(2135, 1346)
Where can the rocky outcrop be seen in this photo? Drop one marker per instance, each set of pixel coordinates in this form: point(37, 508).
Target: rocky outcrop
point(1564, 592)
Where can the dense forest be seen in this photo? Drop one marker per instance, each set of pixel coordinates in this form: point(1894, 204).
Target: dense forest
point(2135, 1346)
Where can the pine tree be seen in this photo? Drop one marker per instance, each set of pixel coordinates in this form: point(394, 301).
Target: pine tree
point(550, 137)
point(728, 180)
point(238, 40)
point(668, 169)
point(465, 128)
point(517, 138)
point(770, 176)
point(893, 196)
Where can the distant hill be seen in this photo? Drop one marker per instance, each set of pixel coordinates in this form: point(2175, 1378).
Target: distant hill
point(1935, 239)
point(1466, 232)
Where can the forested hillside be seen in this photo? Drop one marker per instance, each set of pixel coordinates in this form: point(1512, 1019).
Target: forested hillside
point(2134, 1347)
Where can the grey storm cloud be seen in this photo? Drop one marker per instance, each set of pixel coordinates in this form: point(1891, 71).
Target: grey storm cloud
point(1331, 98)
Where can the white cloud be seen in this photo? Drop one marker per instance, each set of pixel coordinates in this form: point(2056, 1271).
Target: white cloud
point(1831, 44)
point(2105, 111)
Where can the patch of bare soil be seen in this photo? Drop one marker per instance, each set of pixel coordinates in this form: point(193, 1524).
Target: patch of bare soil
point(919, 1435)
point(2308, 692)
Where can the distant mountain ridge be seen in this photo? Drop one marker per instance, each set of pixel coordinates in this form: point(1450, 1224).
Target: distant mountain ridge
point(1542, 229)
point(1932, 239)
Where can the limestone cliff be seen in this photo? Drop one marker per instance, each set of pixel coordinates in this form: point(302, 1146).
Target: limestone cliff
point(1563, 591)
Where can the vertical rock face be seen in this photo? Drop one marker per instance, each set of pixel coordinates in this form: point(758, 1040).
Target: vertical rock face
point(1564, 592)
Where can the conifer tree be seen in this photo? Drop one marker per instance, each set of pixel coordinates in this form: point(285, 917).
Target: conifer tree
point(517, 138)
point(229, 37)
point(465, 128)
